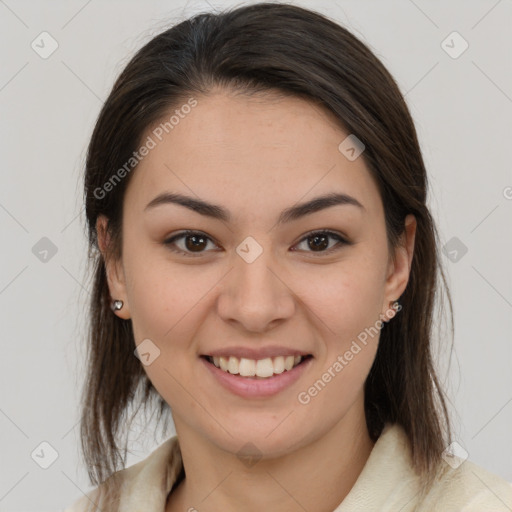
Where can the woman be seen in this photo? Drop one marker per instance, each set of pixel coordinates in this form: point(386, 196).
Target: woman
point(267, 270)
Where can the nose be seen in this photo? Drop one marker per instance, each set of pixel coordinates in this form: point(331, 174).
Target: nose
point(256, 295)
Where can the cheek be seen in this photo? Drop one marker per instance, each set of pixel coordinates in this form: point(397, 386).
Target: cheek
point(346, 297)
point(332, 392)
point(346, 309)
point(159, 297)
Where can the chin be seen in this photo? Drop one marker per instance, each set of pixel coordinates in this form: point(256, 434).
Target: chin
point(265, 438)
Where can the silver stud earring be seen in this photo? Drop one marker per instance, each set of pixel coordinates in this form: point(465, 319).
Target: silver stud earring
point(116, 305)
point(394, 304)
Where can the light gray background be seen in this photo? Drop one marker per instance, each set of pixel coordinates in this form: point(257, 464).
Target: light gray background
point(462, 108)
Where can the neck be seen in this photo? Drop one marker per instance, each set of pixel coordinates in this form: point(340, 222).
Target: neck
point(317, 476)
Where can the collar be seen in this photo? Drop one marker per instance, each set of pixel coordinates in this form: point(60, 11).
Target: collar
point(387, 482)
point(147, 484)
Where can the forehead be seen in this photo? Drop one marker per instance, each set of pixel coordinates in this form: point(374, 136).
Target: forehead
point(249, 151)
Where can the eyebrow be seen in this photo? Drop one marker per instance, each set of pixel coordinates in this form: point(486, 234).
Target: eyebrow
point(288, 215)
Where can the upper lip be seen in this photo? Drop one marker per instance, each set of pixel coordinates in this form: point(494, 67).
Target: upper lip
point(256, 353)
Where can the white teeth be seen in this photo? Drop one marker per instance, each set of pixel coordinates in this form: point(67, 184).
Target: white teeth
point(279, 364)
point(288, 362)
point(233, 365)
point(262, 368)
point(247, 367)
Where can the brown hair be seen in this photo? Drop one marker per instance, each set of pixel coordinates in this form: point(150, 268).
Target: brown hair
point(295, 51)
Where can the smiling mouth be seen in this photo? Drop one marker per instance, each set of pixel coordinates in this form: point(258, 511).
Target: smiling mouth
point(257, 369)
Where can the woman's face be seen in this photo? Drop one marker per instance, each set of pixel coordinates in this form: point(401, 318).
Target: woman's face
point(257, 286)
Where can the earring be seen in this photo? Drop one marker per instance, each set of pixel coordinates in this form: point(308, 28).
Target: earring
point(116, 305)
point(395, 306)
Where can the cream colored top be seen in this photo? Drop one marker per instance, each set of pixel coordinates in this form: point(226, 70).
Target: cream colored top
point(386, 484)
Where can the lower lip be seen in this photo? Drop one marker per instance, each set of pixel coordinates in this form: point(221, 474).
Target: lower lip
point(248, 387)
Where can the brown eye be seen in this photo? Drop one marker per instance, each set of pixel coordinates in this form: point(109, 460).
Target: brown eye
point(318, 241)
point(194, 242)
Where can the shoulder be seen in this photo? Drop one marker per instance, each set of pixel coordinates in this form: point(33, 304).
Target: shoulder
point(87, 503)
point(466, 487)
point(153, 476)
point(459, 486)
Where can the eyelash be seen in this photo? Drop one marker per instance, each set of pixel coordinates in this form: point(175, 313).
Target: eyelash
point(341, 241)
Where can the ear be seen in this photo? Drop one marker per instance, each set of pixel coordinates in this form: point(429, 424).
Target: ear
point(114, 269)
point(400, 266)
